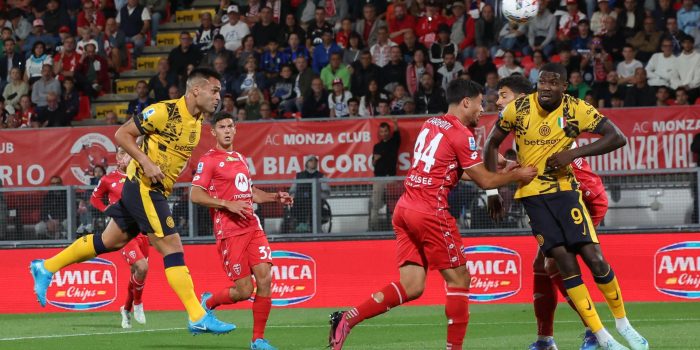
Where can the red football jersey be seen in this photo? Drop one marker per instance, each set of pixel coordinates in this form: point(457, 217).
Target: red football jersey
point(590, 184)
point(110, 186)
point(226, 175)
point(444, 147)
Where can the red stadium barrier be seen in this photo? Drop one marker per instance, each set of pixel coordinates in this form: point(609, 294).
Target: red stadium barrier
point(658, 138)
point(650, 267)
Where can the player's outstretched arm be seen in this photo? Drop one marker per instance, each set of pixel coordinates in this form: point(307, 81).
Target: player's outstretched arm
point(488, 180)
point(494, 200)
point(612, 139)
point(260, 196)
point(199, 196)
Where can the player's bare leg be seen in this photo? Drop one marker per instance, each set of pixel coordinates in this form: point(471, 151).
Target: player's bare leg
point(82, 249)
point(577, 291)
point(409, 287)
point(456, 305)
point(607, 283)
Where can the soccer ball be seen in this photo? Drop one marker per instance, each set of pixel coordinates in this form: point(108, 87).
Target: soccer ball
point(519, 11)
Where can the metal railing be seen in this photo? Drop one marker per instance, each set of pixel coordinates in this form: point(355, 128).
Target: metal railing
point(328, 209)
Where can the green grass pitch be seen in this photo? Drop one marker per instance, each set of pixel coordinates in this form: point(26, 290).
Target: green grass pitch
point(665, 325)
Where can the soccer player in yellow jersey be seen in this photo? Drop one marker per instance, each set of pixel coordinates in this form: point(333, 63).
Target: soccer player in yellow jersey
point(546, 125)
point(170, 130)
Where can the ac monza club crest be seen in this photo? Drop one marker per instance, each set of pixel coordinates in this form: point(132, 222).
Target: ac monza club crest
point(496, 272)
point(237, 269)
point(89, 151)
point(132, 254)
point(677, 270)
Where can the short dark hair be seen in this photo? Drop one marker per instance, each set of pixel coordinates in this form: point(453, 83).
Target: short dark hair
point(459, 89)
point(630, 46)
point(205, 73)
point(688, 38)
point(516, 83)
point(353, 99)
point(218, 116)
point(557, 69)
point(384, 125)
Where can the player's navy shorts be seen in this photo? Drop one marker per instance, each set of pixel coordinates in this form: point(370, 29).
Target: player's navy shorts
point(560, 219)
point(142, 210)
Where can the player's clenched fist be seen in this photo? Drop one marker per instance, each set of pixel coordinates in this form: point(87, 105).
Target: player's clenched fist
point(239, 208)
point(152, 171)
point(560, 160)
point(284, 198)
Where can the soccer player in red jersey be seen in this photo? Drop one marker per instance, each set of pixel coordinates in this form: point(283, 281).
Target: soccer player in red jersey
point(426, 234)
point(222, 183)
point(546, 275)
point(136, 251)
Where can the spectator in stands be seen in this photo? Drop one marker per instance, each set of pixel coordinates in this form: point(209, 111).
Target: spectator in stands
point(218, 48)
point(235, 30)
point(487, 28)
point(353, 108)
point(302, 80)
point(53, 212)
point(241, 116)
point(688, 66)
point(4, 114)
point(135, 21)
point(292, 27)
point(427, 26)
point(111, 118)
point(363, 70)
point(381, 50)
point(663, 97)
point(338, 100)
point(156, 8)
point(204, 39)
point(160, 82)
point(646, 41)
point(538, 60)
point(385, 156)
point(640, 94)
point(93, 72)
point(335, 70)
point(9, 60)
point(627, 68)
point(266, 111)
point(661, 68)
point(370, 100)
point(509, 66)
point(117, 53)
point(70, 99)
point(481, 66)
point(52, 114)
point(266, 29)
point(674, 34)
point(442, 46)
point(351, 54)
point(613, 39)
point(582, 39)
point(463, 29)
point(19, 25)
point(271, 60)
point(688, 17)
point(15, 88)
point(569, 20)
point(38, 35)
point(606, 92)
point(90, 21)
point(316, 102)
point(316, 29)
point(398, 99)
point(383, 108)
point(302, 193)
point(542, 30)
point(596, 63)
point(430, 99)
point(184, 55)
point(229, 105)
point(67, 60)
point(415, 70)
point(394, 72)
point(577, 87)
point(27, 113)
point(324, 50)
point(450, 70)
point(512, 36)
point(54, 17)
point(174, 92)
point(45, 84)
point(400, 24)
point(598, 17)
point(342, 37)
point(681, 97)
point(410, 46)
point(249, 78)
point(142, 100)
point(282, 95)
point(253, 103)
point(369, 25)
point(295, 48)
point(661, 13)
point(630, 19)
point(227, 79)
point(491, 87)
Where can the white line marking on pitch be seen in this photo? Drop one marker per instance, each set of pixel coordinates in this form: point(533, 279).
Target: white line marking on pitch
point(323, 326)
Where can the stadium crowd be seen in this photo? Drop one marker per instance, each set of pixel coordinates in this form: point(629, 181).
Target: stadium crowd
point(342, 58)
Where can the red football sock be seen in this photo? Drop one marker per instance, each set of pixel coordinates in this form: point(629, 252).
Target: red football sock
point(129, 296)
point(545, 302)
point(138, 289)
point(457, 312)
point(261, 311)
point(559, 282)
point(394, 295)
point(221, 297)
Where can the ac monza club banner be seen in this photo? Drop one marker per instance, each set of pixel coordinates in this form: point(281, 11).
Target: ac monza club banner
point(650, 267)
point(658, 138)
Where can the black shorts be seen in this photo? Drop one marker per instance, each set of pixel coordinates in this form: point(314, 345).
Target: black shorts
point(560, 219)
point(142, 210)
